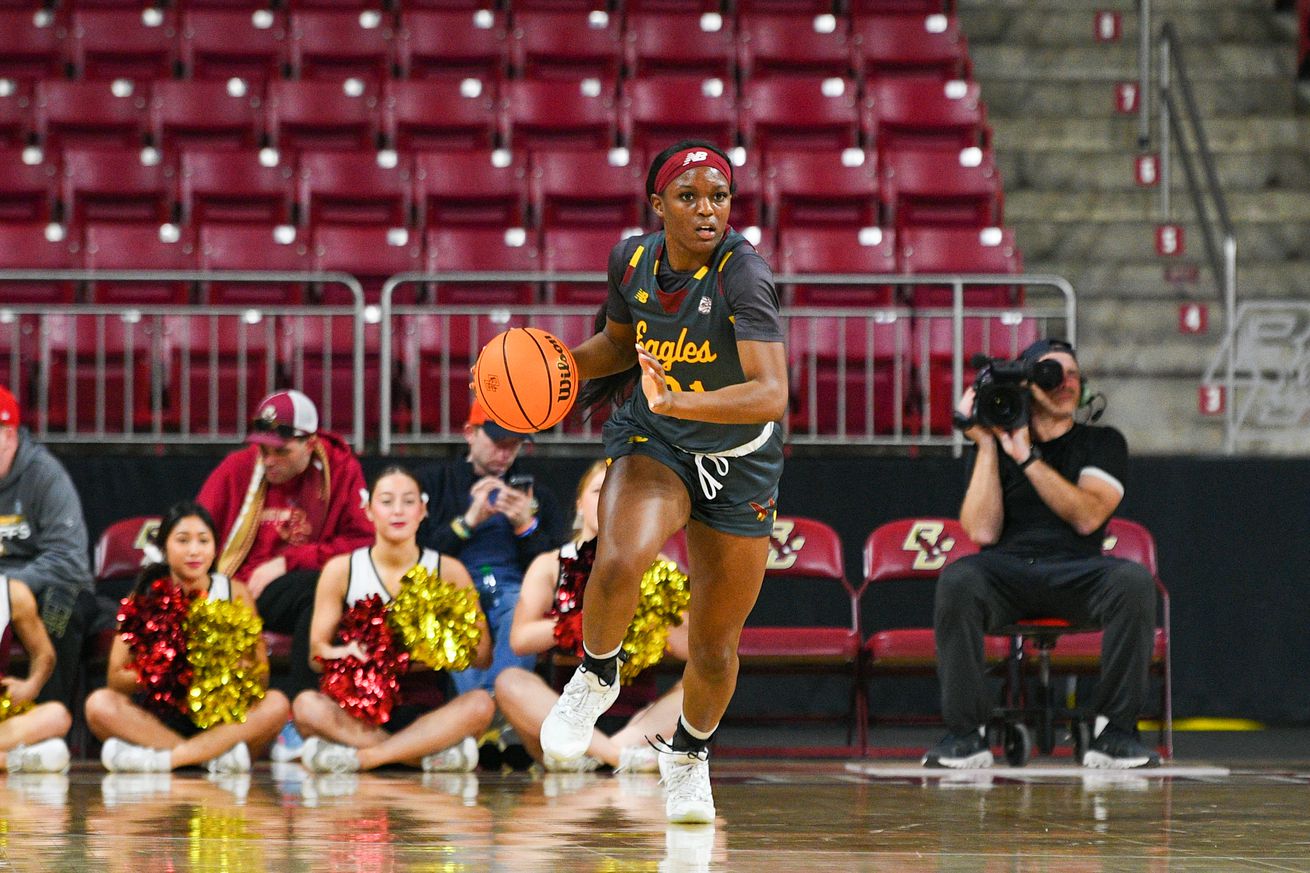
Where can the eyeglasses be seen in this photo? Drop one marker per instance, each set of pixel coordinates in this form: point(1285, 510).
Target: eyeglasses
point(285, 431)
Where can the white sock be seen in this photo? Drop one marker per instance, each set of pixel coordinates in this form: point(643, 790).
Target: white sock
point(698, 734)
point(604, 657)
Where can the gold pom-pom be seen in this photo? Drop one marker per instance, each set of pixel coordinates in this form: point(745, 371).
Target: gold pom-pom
point(9, 709)
point(436, 621)
point(222, 641)
point(664, 597)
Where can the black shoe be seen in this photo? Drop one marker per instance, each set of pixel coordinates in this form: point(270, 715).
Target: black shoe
point(960, 752)
point(1117, 749)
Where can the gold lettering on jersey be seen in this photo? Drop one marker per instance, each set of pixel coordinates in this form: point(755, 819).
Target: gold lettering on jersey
point(930, 547)
point(680, 351)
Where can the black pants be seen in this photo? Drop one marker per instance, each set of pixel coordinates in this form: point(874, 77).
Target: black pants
point(71, 618)
point(287, 606)
point(981, 593)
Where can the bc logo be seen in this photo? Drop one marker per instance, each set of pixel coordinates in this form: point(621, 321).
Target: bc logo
point(783, 547)
point(931, 548)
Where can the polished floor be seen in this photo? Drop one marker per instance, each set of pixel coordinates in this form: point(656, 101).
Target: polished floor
point(874, 814)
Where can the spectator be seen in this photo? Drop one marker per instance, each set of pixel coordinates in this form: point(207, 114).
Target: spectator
point(31, 741)
point(282, 507)
point(43, 542)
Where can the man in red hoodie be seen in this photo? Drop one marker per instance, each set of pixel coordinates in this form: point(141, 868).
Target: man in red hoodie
point(283, 506)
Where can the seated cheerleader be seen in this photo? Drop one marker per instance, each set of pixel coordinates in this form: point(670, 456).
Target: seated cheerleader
point(144, 729)
point(31, 737)
point(355, 730)
point(525, 698)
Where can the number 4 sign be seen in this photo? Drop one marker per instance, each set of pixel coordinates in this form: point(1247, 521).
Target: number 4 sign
point(1210, 399)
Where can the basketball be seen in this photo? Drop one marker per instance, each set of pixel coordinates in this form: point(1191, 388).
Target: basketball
point(525, 379)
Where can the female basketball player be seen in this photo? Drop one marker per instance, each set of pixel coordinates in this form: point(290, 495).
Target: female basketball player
point(525, 698)
point(693, 306)
point(437, 740)
point(142, 739)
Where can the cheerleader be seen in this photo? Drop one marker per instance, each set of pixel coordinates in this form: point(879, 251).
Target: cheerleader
point(141, 735)
point(31, 740)
point(437, 740)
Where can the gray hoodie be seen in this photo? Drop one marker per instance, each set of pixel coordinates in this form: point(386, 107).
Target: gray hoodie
point(43, 539)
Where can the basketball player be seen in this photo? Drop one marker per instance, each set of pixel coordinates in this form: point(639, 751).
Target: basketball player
point(693, 314)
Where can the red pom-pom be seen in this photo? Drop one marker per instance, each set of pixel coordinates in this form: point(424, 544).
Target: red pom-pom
point(567, 606)
point(153, 624)
point(366, 689)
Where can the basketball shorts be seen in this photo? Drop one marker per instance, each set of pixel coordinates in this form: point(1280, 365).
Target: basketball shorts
point(734, 491)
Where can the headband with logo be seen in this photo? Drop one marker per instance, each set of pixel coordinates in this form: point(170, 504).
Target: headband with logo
point(689, 159)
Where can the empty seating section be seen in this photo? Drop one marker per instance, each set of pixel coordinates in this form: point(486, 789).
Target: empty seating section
point(447, 137)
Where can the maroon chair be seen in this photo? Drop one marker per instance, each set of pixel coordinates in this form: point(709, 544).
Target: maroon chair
point(960, 250)
point(566, 44)
point(33, 45)
point(837, 250)
point(657, 111)
point(16, 122)
point(445, 114)
point(321, 116)
point(748, 201)
point(585, 189)
point(100, 373)
point(925, 113)
point(890, 7)
point(221, 44)
point(791, 43)
point(205, 115)
point(316, 354)
point(29, 246)
point(806, 189)
point(254, 247)
point(139, 247)
point(220, 366)
point(1003, 337)
point(131, 43)
point(372, 254)
point(235, 186)
point(682, 44)
point(334, 45)
point(849, 375)
point(112, 184)
point(451, 44)
point(486, 189)
point(909, 45)
point(486, 250)
point(120, 553)
point(577, 250)
point(799, 113)
point(354, 188)
point(89, 113)
point(941, 188)
point(557, 114)
point(27, 191)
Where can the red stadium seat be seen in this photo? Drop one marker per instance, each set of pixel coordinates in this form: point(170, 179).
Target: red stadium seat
point(662, 6)
point(661, 110)
point(567, 45)
point(1003, 337)
point(804, 189)
point(120, 554)
point(354, 188)
point(317, 354)
point(89, 113)
point(941, 189)
point(837, 250)
point(250, 44)
point(748, 201)
point(370, 254)
point(848, 374)
point(483, 249)
point(27, 191)
point(102, 375)
point(254, 247)
point(211, 115)
point(112, 184)
point(123, 43)
point(321, 115)
point(26, 246)
point(139, 247)
point(799, 113)
point(488, 189)
point(793, 44)
point(33, 45)
point(577, 250)
point(890, 7)
point(235, 186)
point(557, 114)
point(683, 44)
point(452, 44)
point(961, 250)
point(917, 113)
point(439, 114)
point(585, 189)
point(221, 365)
point(334, 45)
point(910, 45)
point(16, 122)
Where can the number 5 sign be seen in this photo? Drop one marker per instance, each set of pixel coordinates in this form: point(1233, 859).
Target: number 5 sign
point(1211, 400)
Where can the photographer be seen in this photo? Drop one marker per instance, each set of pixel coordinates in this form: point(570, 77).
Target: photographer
point(1041, 490)
point(495, 519)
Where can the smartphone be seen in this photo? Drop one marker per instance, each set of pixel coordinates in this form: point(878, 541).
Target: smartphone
point(522, 482)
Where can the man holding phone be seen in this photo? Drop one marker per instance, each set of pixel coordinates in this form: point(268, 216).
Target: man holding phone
point(491, 515)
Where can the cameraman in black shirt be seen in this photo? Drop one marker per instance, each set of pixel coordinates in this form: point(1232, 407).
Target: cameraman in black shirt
point(1038, 500)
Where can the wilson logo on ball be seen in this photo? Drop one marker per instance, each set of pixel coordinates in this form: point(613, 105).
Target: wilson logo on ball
point(525, 379)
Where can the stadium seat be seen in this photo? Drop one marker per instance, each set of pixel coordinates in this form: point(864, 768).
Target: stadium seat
point(131, 43)
point(112, 184)
point(790, 630)
point(482, 249)
point(797, 44)
point(745, 8)
point(219, 367)
point(16, 122)
point(435, 114)
point(89, 113)
point(120, 554)
point(354, 188)
point(249, 44)
point(568, 45)
point(809, 188)
point(139, 247)
point(682, 44)
point(578, 250)
point(585, 189)
point(452, 44)
point(799, 113)
point(914, 113)
point(960, 250)
point(235, 186)
point(941, 189)
point(321, 116)
point(1003, 337)
point(909, 45)
point(488, 189)
point(104, 372)
point(204, 114)
point(27, 191)
point(254, 247)
point(26, 246)
point(837, 250)
point(664, 6)
point(748, 200)
point(557, 114)
point(334, 45)
point(849, 374)
point(33, 44)
point(657, 111)
point(370, 254)
point(316, 354)
point(890, 7)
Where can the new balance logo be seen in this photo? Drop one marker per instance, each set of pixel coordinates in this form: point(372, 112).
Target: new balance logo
point(695, 157)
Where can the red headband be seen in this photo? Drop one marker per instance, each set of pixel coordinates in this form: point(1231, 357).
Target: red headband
point(689, 159)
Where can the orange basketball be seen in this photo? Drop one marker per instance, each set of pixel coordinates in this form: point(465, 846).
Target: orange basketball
point(525, 379)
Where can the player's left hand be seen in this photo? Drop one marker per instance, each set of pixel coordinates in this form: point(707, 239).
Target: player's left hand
point(658, 396)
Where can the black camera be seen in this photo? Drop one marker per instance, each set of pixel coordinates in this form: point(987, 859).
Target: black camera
point(1001, 397)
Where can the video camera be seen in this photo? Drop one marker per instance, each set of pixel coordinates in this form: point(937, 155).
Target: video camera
point(1001, 397)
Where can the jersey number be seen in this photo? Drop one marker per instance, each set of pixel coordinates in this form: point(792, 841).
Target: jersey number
point(674, 386)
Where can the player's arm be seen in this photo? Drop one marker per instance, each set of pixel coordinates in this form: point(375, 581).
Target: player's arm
point(36, 642)
point(608, 352)
point(531, 632)
point(761, 397)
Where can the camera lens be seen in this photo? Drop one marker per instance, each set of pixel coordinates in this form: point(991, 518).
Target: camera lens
point(1047, 374)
